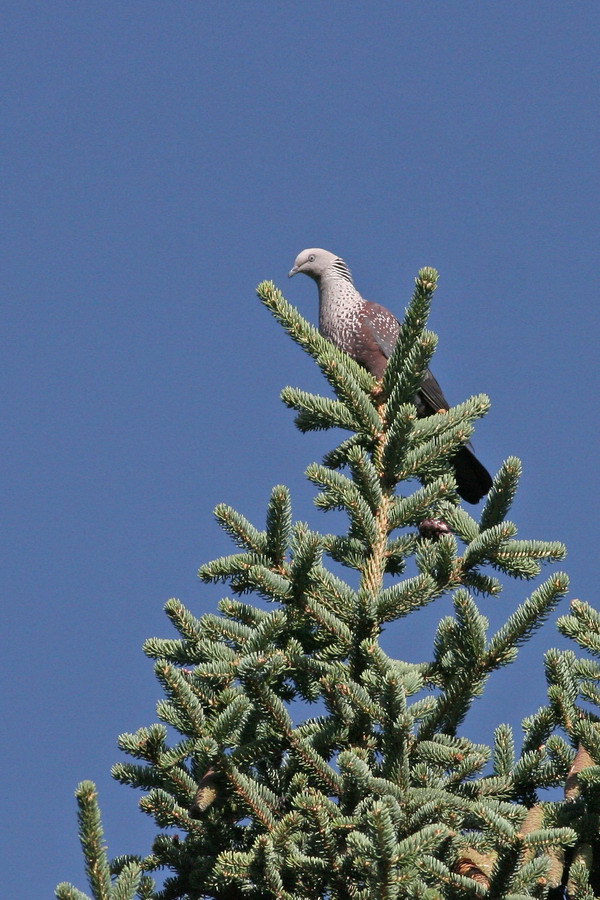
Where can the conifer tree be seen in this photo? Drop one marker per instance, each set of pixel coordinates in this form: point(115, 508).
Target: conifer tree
point(574, 709)
point(312, 764)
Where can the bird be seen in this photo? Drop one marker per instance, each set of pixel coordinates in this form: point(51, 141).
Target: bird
point(368, 332)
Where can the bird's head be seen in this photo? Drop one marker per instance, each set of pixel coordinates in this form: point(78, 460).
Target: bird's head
point(316, 263)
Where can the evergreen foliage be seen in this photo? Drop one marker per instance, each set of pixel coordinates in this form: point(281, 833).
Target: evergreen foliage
point(378, 794)
point(574, 708)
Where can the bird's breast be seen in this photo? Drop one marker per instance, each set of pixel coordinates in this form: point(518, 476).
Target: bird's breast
point(340, 318)
point(344, 320)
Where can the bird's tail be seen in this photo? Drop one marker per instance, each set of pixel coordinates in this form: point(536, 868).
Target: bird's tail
point(472, 478)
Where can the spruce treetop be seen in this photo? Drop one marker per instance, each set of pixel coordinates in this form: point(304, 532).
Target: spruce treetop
point(308, 762)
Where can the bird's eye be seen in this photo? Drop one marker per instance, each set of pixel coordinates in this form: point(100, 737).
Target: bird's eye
point(312, 257)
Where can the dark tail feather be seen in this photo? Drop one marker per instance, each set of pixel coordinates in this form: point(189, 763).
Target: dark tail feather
point(473, 479)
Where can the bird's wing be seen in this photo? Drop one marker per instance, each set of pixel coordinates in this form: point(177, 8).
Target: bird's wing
point(385, 328)
point(432, 393)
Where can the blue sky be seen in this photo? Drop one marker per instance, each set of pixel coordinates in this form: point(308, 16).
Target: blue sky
point(160, 159)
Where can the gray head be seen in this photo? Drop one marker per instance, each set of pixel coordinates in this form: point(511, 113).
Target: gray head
point(317, 262)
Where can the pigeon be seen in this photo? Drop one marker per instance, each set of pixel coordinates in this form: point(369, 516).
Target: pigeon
point(368, 333)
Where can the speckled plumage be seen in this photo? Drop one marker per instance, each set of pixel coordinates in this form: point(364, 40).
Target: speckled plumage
point(368, 333)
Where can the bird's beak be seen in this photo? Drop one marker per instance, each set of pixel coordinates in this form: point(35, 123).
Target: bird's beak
point(292, 271)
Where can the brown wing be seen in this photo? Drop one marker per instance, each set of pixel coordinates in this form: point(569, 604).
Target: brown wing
point(385, 328)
